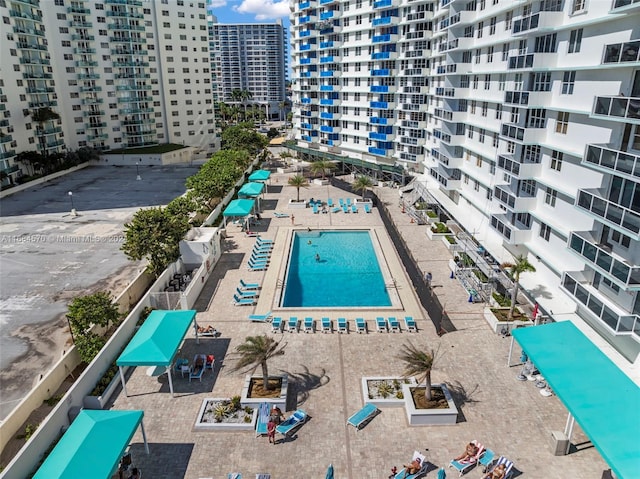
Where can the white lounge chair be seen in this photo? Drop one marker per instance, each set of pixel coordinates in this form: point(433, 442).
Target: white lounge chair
point(423, 467)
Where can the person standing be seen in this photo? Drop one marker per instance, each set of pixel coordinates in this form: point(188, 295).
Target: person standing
point(427, 279)
point(271, 431)
point(293, 219)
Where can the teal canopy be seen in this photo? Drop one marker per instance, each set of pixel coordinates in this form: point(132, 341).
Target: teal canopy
point(239, 208)
point(158, 339)
point(260, 175)
point(602, 399)
point(92, 446)
point(251, 189)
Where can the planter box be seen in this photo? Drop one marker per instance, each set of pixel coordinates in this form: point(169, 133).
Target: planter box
point(366, 201)
point(320, 182)
point(430, 417)
point(498, 326)
point(280, 402)
point(453, 247)
point(221, 426)
point(98, 402)
point(284, 170)
point(431, 235)
point(297, 205)
point(382, 402)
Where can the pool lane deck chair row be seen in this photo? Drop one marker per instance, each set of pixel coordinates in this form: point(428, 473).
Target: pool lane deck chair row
point(243, 301)
point(424, 468)
point(363, 416)
point(464, 466)
point(288, 427)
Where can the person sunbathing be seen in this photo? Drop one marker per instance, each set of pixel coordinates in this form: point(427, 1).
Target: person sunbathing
point(412, 468)
point(469, 454)
point(208, 330)
point(498, 472)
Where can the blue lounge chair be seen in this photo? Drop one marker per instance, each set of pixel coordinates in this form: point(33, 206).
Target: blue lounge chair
point(264, 412)
point(487, 458)
point(258, 267)
point(508, 466)
point(326, 325)
point(315, 208)
point(410, 324)
point(280, 215)
point(348, 201)
point(341, 202)
point(336, 209)
point(329, 202)
point(361, 325)
point(243, 301)
point(234, 475)
point(343, 325)
point(381, 325)
point(258, 260)
point(345, 209)
point(367, 207)
point(249, 286)
point(295, 420)
point(276, 325)
point(363, 416)
point(424, 468)
point(196, 371)
point(261, 240)
point(354, 208)
point(309, 325)
point(258, 257)
point(394, 324)
point(260, 318)
point(247, 294)
point(464, 466)
point(262, 249)
point(292, 324)
point(181, 366)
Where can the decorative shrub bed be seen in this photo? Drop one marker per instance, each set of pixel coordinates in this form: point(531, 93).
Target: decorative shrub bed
point(221, 413)
point(385, 391)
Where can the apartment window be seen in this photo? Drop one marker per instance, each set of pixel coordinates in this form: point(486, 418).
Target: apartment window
point(485, 108)
point(480, 28)
point(475, 82)
point(508, 20)
point(466, 179)
point(562, 122)
point(502, 80)
point(470, 132)
point(511, 147)
point(63, 30)
point(505, 52)
point(472, 109)
point(515, 115)
point(487, 82)
point(568, 81)
point(575, 40)
point(466, 56)
point(499, 111)
point(518, 84)
point(556, 160)
point(496, 140)
point(490, 54)
point(578, 6)
point(550, 196)
point(61, 16)
point(546, 44)
point(165, 13)
point(492, 26)
point(476, 183)
point(478, 54)
point(621, 239)
point(545, 231)
point(481, 136)
point(468, 32)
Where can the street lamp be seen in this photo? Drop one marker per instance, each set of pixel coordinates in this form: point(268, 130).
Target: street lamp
point(138, 177)
point(73, 210)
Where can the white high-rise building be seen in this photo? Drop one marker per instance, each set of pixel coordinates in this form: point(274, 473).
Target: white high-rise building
point(520, 119)
point(250, 57)
point(119, 73)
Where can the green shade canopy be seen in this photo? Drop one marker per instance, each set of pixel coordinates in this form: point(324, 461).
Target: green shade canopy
point(158, 339)
point(92, 446)
point(602, 399)
point(239, 208)
point(251, 189)
point(260, 175)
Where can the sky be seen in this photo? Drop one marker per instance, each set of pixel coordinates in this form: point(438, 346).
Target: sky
point(250, 11)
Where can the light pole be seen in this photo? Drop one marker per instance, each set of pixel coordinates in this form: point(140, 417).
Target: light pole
point(138, 177)
point(73, 210)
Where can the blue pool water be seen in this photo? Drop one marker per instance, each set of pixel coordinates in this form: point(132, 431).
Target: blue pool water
point(347, 274)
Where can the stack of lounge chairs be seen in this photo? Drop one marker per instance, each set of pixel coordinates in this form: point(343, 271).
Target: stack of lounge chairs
point(246, 294)
point(260, 255)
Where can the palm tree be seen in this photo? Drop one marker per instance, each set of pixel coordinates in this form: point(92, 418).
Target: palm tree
point(418, 363)
point(362, 184)
point(322, 167)
point(521, 265)
point(256, 351)
point(298, 182)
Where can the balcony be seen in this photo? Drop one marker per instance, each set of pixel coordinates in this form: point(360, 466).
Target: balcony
point(380, 22)
point(88, 76)
point(307, 47)
point(95, 124)
point(382, 4)
point(42, 104)
point(326, 45)
point(25, 15)
point(519, 170)
point(5, 155)
point(521, 201)
point(130, 63)
point(327, 101)
point(85, 50)
point(330, 129)
point(124, 14)
point(610, 160)
point(82, 38)
point(382, 72)
point(601, 258)
point(622, 52)
point(125, 27)
point(521, 61)
point(81, 24)
point(520, 98)
point(528, 136)
point(100, 136)
point(326, 15)
point(381, 105)
point(35, 61)
point(304, 5)
point(133, 87)
point(628, 5)
point(617, 107)
point(578, 285)
point(130, 3)
point(86, 63)
point(31, 46)
point(92, 101)
point(46, 89)
point(326, 87)
point(327, 59)
point(11, 169)
point(511, 233)
point(608, 212)
point(379, 89)
point(305, 61)
point(381, 55)
point(448, 161)
point(449, 180)
point(451, 116)
point(325, 115)
point(386, 38)
point(377, 151)
point(378, 120)
point(378, 136)
point(448, 92)
point(28, 31)
point(78, 9)
point(304, 33)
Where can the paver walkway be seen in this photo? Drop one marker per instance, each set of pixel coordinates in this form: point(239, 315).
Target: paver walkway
point(506, 415)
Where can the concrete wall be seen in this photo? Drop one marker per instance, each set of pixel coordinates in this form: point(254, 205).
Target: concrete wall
point(183, 156)
point(44, 179)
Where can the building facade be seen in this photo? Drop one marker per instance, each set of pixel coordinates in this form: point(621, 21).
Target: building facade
point(520, 119)
point(250, 57)
point(118, 73)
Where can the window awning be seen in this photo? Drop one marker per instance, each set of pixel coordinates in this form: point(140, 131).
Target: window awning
point(601, 398)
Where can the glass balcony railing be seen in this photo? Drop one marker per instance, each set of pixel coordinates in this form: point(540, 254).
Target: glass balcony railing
point(380, 55)
point(35, 61)
point(622, 52)
point(326, 87)
point(326, 45)
point(326, 15)
point(378, 120)
point(521, 61)
point(326, 73)
point(327, 59)
point(625, 3)
point(378, 22)
point(78, 9)
point(612, 160)
point(617, 107)
point(5, 155)
point(383, 4)
point(382, 72)
point(516, 97)
point(609, 212)
point(26, 15)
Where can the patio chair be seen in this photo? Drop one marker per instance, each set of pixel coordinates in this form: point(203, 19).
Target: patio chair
point(287, 427)
point(424, 466)
point(315, 208)
point(234, 475)
point(329, 202)
point(247, 294)
point(257, 267)
point(280, 215)
point(262, 246)
point(264, 413)
point(326, 325)
point(341, 202)
point(381, 325)
point(247, 286)
point(361, 325)
point(336, 209)
point(261, 240)
point(255, 262)
point(410, 324)
point(276, 325)
point(197, 368)
point(292, 324)
point(466, 465)
point(363, 416)
point(343, 325)
point(257, 255)
point(309, 325)
point(367, 207)
point(345, 208)
point(181, 366)
point(263, 476)
point(349, 202)
point(210, 362)
point(354, 208)
point(243, 301)
point(394, 324)
point(260, 318)
point(508, 472)
point(487, 458)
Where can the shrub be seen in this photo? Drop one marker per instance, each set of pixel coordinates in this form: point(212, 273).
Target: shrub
point(105, 380)
point(450, 239)
point(503, 301)
point(399, 395)
point(385, 389)
point(480, 275)
point(440, 228)
point(432, 214)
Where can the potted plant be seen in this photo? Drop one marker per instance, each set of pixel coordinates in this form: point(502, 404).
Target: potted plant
point(438, 229)
point(519, 266)
point(321, 167)
point(362, 184)
point(298, 181)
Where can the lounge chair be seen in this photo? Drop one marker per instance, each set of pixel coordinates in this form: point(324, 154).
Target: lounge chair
point(326, 325)
point(361, 325)
point(363, 416)
point(262, 250)
point(280, 215)
point(197, 368)
point(424, 466)
point(257, 262)
point(268, 245)
point(264, 413)
point(263, 476)
point(181, 366)
point(248, 286)
point(367, 207)
point(243, 301)
point(309, 325)
point(292, 324)
point(259, 257)
point(381, 325)
point(354, 208)
point(208, 332)
point(251, 234)
point(410, 324)
point(345, 209)
point(276, 325)
point(464, 466)
point(343, 325)
point(260, 318)
point(487, 458)
point(234, 475)
point(258, 267)
point(394, 324)
point(210, 362)
point(349, 202)
point(341, 202)
point(261, 240)
point(315, 208)
point(329, 202)
point(247, 294)
point(295, 420)
point(508, 467)
point(336, 209)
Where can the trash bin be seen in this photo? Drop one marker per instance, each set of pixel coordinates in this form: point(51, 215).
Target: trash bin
point(559, 443)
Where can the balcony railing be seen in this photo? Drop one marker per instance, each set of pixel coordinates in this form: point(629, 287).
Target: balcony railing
point(609, 212)
point(521, 61)
point(613, 160)
point(617, 107)
point(526, 23)
point(625, 3)
point(516, 97)
point(622, 52)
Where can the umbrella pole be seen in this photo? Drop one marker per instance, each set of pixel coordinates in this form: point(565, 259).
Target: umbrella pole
point(170, 381)
point(124, 383)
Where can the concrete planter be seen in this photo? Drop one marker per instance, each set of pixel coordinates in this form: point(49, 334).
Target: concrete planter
point(431, 235)
point(280, 402)
point(430, 417)
point(499, 327)
point(201, 425)
point(98, 402)
point(297, 205)
point(366, 201)
point(320, 182)
point(391, 401)
point(453, 247)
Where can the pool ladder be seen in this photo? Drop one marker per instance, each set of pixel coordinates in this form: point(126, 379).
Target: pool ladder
point(280, 284)
point(392, 284)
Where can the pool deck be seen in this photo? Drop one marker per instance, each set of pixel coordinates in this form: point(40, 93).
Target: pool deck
point(325, 372)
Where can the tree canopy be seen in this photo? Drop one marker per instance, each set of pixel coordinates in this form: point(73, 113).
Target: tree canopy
point(256, 351)
point(519, 266)
point(298, 181)
point(241, 137)
point(362, 184)
point(418, 363)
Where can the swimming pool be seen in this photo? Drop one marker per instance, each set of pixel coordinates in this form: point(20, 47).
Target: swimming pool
point(334, 269)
